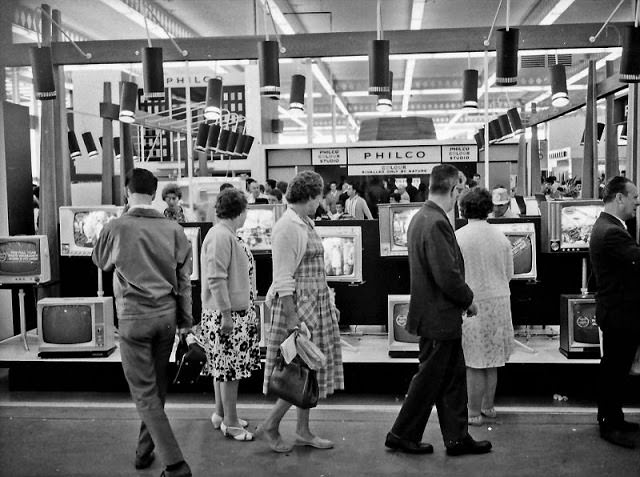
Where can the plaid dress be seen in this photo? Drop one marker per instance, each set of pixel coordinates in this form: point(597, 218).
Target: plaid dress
point(312, 301)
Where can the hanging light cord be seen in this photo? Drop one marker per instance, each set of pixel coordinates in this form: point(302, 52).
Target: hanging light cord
point(146, 27)
point(379, 20)
point(592, 39)
point(508, 9)
point(155, 19)
point(637, 17)
point(267, 12)
point(495, 17)
point(86, 55)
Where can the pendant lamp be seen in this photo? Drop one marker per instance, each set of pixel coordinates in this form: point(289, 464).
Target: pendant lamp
point(505, 126)
point(470, 89)
point(213, 106)
point(268, 54)
point(507, 56)
point(201, 138)
point(87, 138)
point(153, 72)
point(479, 137)
point(296, 100)
point(379, 67)
point(385, 100)
point(212, 137)
point(515, 121)
point(232, 141)
point(223, 139)
point(237, 151)
point(494, 131)
point(630, 61)
point(74, 147)
point(623, 132)
point(116, 146)
point(247, 145)
point(42, 70)
point(559, 92)
point(128, 101)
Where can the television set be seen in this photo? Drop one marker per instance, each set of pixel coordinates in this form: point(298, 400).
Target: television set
point(193, 234)
point(402, 344)
point(256, 231)
point(394, 220)
point(342, 253)
point(567, 224)
point(579, 334)
point(522, 236)
point(76, 327)
point(81, 226)
point(531, 205)
point(24, 259)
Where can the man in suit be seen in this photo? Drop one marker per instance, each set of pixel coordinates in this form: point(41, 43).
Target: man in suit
point(615, 257)
point(439, 297)
point(411, 189)
point(151, 259)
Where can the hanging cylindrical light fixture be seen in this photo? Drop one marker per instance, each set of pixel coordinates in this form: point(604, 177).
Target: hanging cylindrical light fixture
point(379, 67)
point(201, 138)
point(559, 92)
point(213, 106)
point(116, 146)
point(296, 100)
point(494, 131)
point(232, 141)
point(212, 137)
point(87, 138)
point(153, 72)
point(630, 61)
point(385, 100)
point(470, 89)
point(223, 139)
point(268, 54)
point(507, 56)
point(505, 126)
point(74, 147)
point(240, 144)
point(515, 121)
point(479, 137)
point(247, 145)
point(42, 70)
point(128, 101)
point(623, 132)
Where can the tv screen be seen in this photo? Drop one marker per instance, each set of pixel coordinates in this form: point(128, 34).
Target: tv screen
point(256, 231)
point(339, 259)
point(585, 328)
point(400, 223)
point(20, 257)
point(193, 234)
point(87, 226)
point(70, 324)
point(522, 248)
point(400, 312)
point(576, 223)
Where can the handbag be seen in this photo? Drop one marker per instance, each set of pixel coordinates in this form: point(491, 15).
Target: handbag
point(294, 382)
point(190, 358)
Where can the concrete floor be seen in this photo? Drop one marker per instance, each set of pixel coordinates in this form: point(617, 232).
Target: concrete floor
point(85, 434)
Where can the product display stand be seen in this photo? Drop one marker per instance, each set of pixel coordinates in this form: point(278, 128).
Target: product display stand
point(23, 319)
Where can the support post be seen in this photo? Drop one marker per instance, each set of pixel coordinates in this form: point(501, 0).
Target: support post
point(633, 135)
point(535, 158)
point(590, 156)
point(611, 162)
point(521, 184)
point(107, 149)
point(62, 157)
point(126, 159)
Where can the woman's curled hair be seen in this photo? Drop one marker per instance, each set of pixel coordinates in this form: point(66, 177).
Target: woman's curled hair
point(304, 186)
point(476, 204)
point(230, 203)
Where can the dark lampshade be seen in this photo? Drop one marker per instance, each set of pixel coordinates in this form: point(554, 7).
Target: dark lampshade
point(494, 131)
point(623, 132)
point(379, 67)
point(559, 92)
point(128, 101)
point(630, 61)
point(153, 72)
point(296, 101)
point(42, 70)
point(507, 56)
point(385, 100)
point(277, 126)
point(223, 140)
point(116, 146)
point(74, 147)
point(201, 138)
point(87, 138)
point(212, 137)
point(213, 106)
point(237, 151)
point(479, 137)
point(600, 131)
point(505, 126)
point(248, 142)
point(515, 121)
point(268, 54)
point(232, 141)
point(109, 111)
point(470, 89)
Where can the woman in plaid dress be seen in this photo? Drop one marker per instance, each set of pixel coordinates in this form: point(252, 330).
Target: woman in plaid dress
point(299, 293)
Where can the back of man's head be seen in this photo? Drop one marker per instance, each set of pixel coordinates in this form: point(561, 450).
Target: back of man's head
point(617, 184)
point(141, 181)
point(443, 179)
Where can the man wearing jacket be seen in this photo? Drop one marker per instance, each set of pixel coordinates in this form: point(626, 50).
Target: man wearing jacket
point(439, 297)
point(150, 257)
point(615, 257)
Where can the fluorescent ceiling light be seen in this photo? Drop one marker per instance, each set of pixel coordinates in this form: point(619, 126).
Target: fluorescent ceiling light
point(278, 17)
point(406, 90)
point(135, 16)
point(286, 113)
point(24, 33)
point(556, 11)
point(417, 13)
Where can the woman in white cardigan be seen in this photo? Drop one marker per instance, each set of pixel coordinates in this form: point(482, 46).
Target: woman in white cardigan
point(229, 327)
point(487, 339)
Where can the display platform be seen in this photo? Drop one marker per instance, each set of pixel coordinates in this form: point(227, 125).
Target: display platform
point(367, 349)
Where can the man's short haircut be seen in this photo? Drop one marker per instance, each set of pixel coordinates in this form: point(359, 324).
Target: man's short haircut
point(226, 185)
point(171, 189)
point(615, 185)
point(355, 185)
point(272, 183)
point(304, 186)
point(282, 187)
point(141, 181)
point(230, 203)
point(248, 182)
point(276, 193)
point(444, 178)
point(476, 204)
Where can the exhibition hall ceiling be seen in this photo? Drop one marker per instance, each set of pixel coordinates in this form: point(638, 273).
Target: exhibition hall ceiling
point(424, 85)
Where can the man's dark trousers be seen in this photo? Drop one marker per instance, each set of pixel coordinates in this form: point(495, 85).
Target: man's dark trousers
point(440, 380)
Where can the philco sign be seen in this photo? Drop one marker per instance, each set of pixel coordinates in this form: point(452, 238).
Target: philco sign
point(329, 157)
point(180, 81)
point(392, 155)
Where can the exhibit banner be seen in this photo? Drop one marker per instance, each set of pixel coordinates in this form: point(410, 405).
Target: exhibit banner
point(390, 169)
point(460, 153)
point(329, 157)
point(394, 155)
